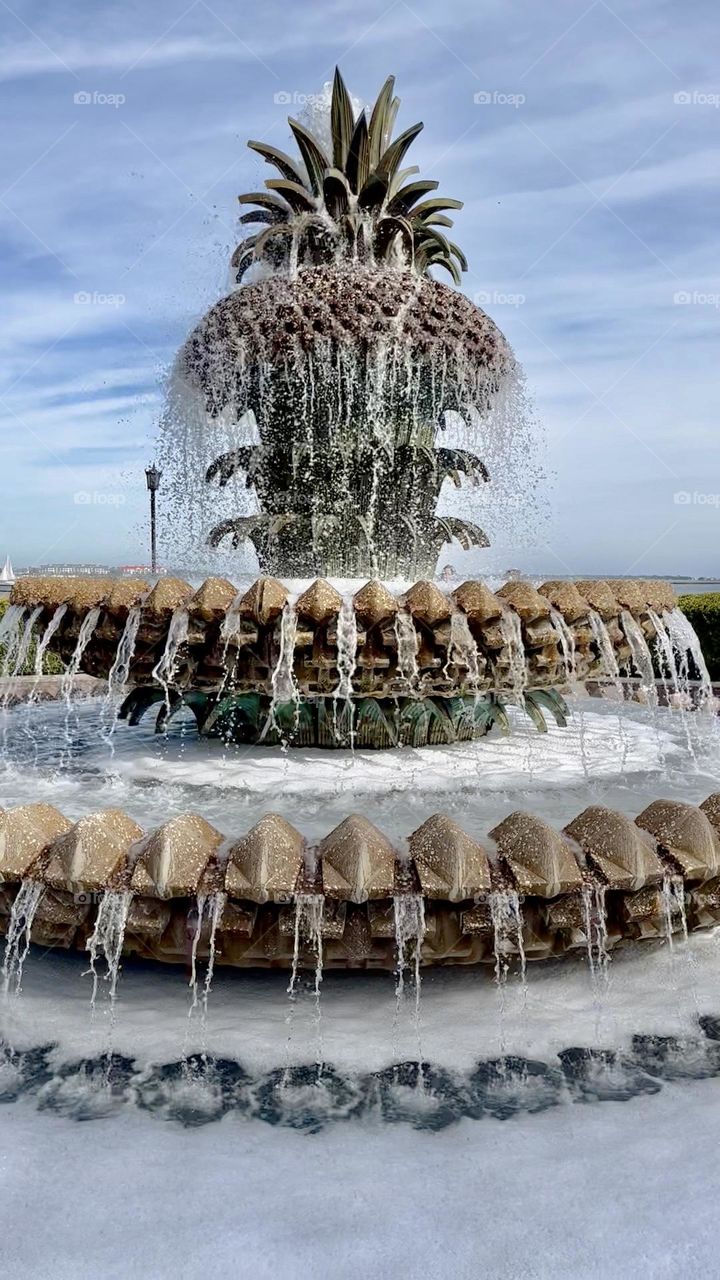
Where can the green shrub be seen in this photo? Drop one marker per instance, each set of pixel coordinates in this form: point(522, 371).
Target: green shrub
point(52, 666)
point(704, 614)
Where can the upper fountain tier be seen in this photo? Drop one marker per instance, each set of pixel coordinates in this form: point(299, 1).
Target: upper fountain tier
point(349, 354)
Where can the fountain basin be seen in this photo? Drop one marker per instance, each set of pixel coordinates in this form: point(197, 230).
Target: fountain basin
point(375, 668)
point(529, 889)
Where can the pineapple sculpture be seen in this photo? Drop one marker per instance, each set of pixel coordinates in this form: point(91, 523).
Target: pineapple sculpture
point(348, 352)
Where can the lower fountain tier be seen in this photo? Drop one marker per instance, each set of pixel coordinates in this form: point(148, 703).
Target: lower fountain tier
point(229, 655)
point(604, 879)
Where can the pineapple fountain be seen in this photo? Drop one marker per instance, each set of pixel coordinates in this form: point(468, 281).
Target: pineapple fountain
point(348, 357)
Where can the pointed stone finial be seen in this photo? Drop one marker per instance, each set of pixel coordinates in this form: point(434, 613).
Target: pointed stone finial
point(565, 597)
point(25, 833)
point(358, 861)
point(525, 600)
point(265, 600)
point(427, 602)
point(50, 592)
point(449, 862)
point(265, 865)
point(175, 856)
point(625, 855)
point(477, 601)
point(124, 594)
point(374, 603)
point(711, 809)
point(92, 852)
point(167, 595)
point(629, 594)
point(319, 603)
point(599, 597)
point(541, 862)
point(87, 593)
point(687, 834)
point(212, 600)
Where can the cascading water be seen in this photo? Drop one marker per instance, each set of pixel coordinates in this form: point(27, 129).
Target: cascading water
point(463, 650)
point(11, 630)
point(21, 652)
point(511, 631)
point(407, 649)
point(17, 942)
point(42, 647)
point(641, 656)
point(605, 650)
point(164, 671)
point(594, 910)
point(107, 939)
point(409, 922)
point(208, 914)
point(89, 624)
point(346, 664)
point(685, 642)
point(308, 928)
point(284, 685)
point(507, 926)
point(566, 641)
point(119, 672)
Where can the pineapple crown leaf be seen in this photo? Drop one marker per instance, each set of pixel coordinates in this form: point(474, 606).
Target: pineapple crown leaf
point(361, 189)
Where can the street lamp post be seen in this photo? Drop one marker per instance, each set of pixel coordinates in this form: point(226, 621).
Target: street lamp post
point(152, 476)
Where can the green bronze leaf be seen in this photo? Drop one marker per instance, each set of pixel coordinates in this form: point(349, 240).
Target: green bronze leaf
point(284, 163)
point(315, 160)
point(342, 121)
point(378, 120)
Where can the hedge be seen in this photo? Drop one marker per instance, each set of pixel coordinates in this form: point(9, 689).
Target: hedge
point(704, 614)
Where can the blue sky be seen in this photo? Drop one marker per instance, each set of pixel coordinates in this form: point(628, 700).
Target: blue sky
point(588, 170)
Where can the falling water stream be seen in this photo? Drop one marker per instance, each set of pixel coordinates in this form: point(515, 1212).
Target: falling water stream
point(507, 926)
point(685, 642)
point(284, 685)
point(308, 928)
point(641, 656)
point(17, 942)
point(407, 649)
point(106, 940)
point(409, 920)
point(119, 672)
point(164, 671)
point(511, 630)
point(462, 650)
point(346, 664)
